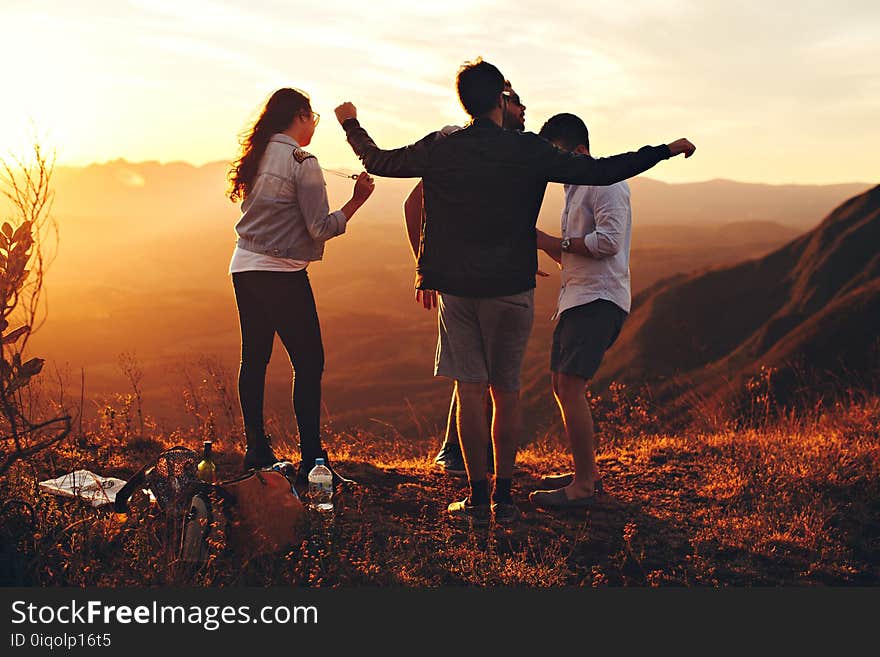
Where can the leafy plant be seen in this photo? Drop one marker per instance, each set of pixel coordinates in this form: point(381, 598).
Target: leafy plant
point(26, 185)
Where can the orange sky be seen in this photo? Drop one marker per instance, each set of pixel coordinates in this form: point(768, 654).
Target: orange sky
point(769, 92)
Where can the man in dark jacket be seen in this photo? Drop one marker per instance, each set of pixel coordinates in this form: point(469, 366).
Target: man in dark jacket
point(483, 188)
point(449, 459)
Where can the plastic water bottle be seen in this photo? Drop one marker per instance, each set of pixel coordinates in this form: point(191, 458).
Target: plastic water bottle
point(321, 487)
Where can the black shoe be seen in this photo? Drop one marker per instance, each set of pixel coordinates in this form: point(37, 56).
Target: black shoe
point(505, 513)
point(340, 480)
point(449, 459)
point(476, 515)
point(259, 452)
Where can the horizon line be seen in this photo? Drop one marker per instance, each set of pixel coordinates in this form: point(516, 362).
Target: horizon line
point(209, 163)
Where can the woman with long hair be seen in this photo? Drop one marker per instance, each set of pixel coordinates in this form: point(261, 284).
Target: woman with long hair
point(285, 220)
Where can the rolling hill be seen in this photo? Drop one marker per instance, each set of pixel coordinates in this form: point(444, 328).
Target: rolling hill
point(810, 309)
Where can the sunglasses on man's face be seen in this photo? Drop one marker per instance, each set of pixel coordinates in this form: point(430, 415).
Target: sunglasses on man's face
point(512, 97)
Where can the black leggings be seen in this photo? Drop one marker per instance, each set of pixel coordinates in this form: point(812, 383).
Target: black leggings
point(272, 302)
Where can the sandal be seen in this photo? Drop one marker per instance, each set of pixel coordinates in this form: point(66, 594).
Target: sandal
point(557, 499)
point(563, 480)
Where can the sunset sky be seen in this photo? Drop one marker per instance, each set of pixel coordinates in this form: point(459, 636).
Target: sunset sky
point(769, 92)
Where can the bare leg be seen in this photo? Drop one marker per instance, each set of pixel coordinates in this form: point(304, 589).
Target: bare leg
point(452, 442)
point(570, 393)
point(506, 426)
point(472, 428)
point(451, 437)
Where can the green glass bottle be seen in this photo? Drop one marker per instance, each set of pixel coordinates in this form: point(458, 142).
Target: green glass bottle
point(207, 469)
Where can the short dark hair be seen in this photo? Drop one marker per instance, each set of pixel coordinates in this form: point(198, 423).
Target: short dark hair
point(567, 130)
point(479, 84)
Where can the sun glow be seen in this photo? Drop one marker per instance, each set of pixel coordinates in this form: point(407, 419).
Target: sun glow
point(47, 95)
point(160, 80)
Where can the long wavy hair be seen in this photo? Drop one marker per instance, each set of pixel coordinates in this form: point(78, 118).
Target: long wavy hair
point(281, 109)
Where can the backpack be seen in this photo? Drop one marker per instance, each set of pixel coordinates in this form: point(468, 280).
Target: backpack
point(261, 509)
point(265, 514)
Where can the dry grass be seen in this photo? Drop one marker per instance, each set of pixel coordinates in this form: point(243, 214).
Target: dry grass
point(796, 501)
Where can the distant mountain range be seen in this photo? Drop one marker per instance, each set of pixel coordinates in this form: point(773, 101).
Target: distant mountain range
point(144, 251)
point(147, 189)
point(810, 309)
point(726, 201)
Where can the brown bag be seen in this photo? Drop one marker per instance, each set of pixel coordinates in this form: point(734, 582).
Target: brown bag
point(266, 515)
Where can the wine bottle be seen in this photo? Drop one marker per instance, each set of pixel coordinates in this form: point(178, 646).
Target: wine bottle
point(207, 469)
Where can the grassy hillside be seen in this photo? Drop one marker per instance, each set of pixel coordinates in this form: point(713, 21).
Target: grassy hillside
point(796, 502)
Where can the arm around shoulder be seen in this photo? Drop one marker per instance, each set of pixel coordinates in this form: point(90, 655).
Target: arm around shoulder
point(571, 168)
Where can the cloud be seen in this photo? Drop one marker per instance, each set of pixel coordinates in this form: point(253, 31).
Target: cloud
point(189, 74)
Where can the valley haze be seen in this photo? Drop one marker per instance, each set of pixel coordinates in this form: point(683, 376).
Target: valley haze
point(142, 263)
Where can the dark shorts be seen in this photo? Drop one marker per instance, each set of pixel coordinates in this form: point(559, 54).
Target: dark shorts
point(583, 335)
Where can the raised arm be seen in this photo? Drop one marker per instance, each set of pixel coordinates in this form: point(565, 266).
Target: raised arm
point(407, 162)
point(312, 197)
point(311, 193)
point(575, 169)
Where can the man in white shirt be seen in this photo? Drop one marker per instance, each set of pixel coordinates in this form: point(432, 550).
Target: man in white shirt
point(594, 301)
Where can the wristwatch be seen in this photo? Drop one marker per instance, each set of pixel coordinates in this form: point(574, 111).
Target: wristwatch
point(566, 242)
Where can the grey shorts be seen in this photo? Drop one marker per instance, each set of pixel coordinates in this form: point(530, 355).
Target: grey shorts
point(583, 335)
point(484, 340)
